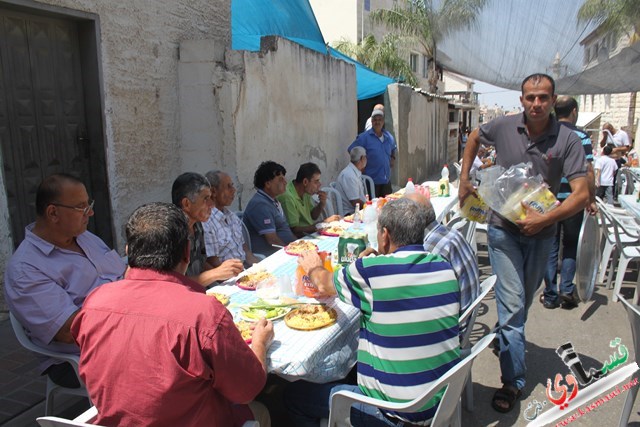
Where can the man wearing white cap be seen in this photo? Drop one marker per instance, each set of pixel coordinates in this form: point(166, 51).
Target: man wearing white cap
point(381, 152)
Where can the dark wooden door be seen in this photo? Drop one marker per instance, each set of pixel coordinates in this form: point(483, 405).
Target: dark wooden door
point(42, 115)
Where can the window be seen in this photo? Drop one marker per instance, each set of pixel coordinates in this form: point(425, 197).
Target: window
point(413, 62)
point(425, 67)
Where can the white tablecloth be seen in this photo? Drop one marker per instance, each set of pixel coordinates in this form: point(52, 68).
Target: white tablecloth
point(318, 356)
point(443, 205)
point(630, 204)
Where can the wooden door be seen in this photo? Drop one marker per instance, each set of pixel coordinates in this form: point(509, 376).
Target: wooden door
point(42, 115)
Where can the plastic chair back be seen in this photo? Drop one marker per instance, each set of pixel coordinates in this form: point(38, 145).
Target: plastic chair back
point(369, 186)
point(633, 312)
point(334, 202)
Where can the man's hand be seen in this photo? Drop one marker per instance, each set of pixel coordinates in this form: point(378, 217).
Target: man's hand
point(229, 268)
point(263, 333)
point(465, 189)
point(332, 218)
point(592, 208)
point(308, 260)
point(322, 197)
point(533, 223)
point(367, 252)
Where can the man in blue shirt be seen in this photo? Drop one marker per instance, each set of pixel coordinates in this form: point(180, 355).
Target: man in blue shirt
point(263, 215)
point(381, 152)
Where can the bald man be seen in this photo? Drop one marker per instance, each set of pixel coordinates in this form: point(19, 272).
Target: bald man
point(452, 246)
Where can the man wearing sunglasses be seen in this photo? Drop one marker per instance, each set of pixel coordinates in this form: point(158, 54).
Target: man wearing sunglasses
point(55, 267)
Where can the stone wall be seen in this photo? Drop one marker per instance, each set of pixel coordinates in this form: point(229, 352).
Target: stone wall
point(419, 122)
point(286, 103)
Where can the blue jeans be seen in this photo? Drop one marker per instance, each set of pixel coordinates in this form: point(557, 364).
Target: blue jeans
point(570, 230)
point(520, 263)
point(307, 403)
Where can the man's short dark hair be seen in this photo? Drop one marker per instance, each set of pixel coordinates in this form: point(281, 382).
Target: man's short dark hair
point(188, 185)
point(157, 236)
point(306, 171)
point(564, 106)
point(214, 178)
point(405, 220)
point(50, 190)
point(266, 172)
point(536, 79)
point(608, 149)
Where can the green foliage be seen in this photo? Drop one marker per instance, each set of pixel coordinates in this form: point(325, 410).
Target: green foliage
point(613, 16)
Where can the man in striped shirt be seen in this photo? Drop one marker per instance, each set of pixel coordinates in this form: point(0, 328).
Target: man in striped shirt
point(410, 301)
point(566, 110)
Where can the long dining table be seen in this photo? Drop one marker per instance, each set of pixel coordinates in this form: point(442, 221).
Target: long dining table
point(322, 355)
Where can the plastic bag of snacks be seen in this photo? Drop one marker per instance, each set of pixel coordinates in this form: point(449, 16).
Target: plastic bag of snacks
point(350, 244)
point(504, 190)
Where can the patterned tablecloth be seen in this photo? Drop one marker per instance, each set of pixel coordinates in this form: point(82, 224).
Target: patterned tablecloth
point(319, 356)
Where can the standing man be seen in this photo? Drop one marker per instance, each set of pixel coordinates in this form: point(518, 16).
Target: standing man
point(223, 238)
point(191, 192)
point(381, 153)
point(55, 267)
point(156, 350)
point(566, 109)
point(297, 204)
point(519, 253)
point(617, 137)
point(367, 125)
point(263, 215)
point(349, 181)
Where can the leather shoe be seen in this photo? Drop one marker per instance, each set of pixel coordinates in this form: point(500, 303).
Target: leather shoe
point(569, 301)
point(550, 304)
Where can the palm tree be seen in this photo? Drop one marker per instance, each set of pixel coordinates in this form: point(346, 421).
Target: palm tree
point(613, 16)
point(384, 57)
point(426, 25)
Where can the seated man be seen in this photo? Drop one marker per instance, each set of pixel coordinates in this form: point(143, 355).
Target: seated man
point(223, 238)
point(349, 182)
point(191, 192)
point(156, 350)
point(453, 247)
point(409, 301)
point(263, 215)
point(55, 267)
point(297, 204)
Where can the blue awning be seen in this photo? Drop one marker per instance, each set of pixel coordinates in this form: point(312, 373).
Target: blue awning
point(295, 21)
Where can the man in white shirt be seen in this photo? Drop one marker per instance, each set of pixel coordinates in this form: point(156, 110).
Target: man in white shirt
point(617, 137)
point(605, 170)
point(349, 182)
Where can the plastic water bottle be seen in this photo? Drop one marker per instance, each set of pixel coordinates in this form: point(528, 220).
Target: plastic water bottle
point(445, 172)
point(371, 225)
point(410, 187)
point(356, 215)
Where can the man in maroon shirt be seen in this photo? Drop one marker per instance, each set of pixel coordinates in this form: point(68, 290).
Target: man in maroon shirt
point(155, 350)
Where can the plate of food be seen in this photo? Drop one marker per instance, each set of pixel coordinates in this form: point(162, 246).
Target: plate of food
point(264, 311)
point(250, 280)
point(310, 317)
point(224, 299)
point(300, 246)
point(348, 218)
point(331, 229)
point(246, 330)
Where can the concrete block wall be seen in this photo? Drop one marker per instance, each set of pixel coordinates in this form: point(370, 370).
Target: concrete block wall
point(419, 122)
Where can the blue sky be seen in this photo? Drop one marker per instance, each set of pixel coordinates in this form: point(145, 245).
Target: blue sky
point(490, 95)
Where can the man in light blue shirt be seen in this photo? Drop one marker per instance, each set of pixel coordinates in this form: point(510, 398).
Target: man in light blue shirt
point(349, 183)
point(55, 267)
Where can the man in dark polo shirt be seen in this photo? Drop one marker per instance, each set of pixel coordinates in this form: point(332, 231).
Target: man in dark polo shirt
point(519, 253)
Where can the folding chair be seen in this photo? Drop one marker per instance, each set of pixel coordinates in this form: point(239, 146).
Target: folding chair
point(633, 312)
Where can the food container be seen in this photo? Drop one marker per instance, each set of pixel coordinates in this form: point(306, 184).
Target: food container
point(538, 198)
point(475, 209)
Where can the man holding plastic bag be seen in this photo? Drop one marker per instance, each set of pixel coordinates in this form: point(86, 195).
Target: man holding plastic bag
point(519, 250)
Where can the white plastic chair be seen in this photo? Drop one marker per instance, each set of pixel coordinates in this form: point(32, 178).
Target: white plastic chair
point(246, 236)
point(634, 319)
point(606, 228)
point(334, 202)
point(448, 412)
point(83, 419)
point(465, 227)
point(369, 186)
point(52, 388)
point(468, 320)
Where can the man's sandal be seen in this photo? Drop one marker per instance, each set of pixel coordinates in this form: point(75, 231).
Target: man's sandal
point(507, 394)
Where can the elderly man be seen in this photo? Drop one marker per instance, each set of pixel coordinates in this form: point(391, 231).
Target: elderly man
point(349, 181)
point(223, 231)
point(410, 302)
point(297, 204)
point(156, 350)
point(368, 124)
point(191, 192)
point(263, 215)
point(452, 246)
point(519, 252)
point(381, 152)
point(55, 267)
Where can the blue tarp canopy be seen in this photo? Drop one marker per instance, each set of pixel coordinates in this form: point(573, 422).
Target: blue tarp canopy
point(293, 20)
